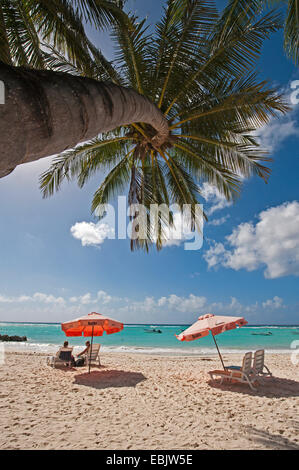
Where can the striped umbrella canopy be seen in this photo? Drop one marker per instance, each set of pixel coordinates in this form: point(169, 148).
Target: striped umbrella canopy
point(93, 324)
point(214, 324)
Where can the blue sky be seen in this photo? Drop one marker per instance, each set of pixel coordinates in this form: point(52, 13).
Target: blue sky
point(248, 265)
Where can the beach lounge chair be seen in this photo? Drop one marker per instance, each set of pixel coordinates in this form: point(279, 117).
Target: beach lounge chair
point(93, 357)
point(259, 364)
point(247, 357)
point(243, 375)
point(62, 357)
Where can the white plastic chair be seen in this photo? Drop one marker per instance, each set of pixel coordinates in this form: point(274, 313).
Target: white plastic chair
point(243, 375)
point(259, 364)
point(93, 356)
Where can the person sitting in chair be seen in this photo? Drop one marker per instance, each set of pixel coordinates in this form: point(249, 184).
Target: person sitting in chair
point(66, 345)
point(82, 355)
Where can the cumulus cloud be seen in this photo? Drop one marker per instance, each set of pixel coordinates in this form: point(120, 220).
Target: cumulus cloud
point(104, 298)
point(188, 308)
point(220, 221)
point(92, 234)
point(271, 136)
point(101, 297)
point(182, 304)
point(273, 242)
point(164, 309)
point(212, 196)
point(82, 299)
point(37, 297)
point(171, 304)
point(276, 302)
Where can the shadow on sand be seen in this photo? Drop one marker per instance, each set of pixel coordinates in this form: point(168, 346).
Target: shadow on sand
point(109, 379)
point(271, 441)
point(271, 387)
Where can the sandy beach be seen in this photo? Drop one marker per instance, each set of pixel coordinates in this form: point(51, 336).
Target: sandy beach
point(145, 402)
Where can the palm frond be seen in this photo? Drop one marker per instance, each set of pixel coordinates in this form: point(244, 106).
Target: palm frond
point(194, 20)
point(232, 50)
point(82, 162)
point(115, 183)
point(291, 41)
point(23, 41)
point(5, 54)
point(130, 53)
point(101, 13)
point(208, 168)
point(246, 102)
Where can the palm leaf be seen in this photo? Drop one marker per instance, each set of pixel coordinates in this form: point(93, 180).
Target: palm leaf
point(82, 162)
point(231, 51)
point(116, 182)
point(291, 41)
point(130, 53)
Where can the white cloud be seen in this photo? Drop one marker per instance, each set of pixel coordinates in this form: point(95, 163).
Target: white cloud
point(276, 302)
point(37, 297)
point(187, 309)
point(92, 234)
point(273, 242)
point(215, 255)
point(172, 303)
point(272, 135)
point(182, 304)
point(212, 196)
point(82, 299)
point(47, 299)
point(4, 299)
point(102, 297)
point(165, 309)
point(276, 132)
point(234, 307)
point(220, 221)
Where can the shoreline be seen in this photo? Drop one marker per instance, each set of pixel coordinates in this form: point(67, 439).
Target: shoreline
point(48, 338)
point(49, 348)
point(145, 402)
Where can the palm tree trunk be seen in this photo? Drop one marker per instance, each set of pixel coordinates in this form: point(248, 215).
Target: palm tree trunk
point(48, 112)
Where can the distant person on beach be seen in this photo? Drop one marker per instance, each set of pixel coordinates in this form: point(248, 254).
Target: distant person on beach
point(82, 355)
point(86, 350)
point(66, 345)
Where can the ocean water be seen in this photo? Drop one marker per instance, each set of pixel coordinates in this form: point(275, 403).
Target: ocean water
point(134, 338)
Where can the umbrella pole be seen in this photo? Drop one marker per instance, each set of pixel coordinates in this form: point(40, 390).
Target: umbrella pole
point(90, 350)
point(218, 352)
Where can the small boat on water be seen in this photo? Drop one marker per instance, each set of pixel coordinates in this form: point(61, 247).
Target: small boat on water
point(263, 334)
point(152, 330)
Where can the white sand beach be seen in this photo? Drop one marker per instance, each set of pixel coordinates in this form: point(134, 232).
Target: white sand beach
point(145, 402)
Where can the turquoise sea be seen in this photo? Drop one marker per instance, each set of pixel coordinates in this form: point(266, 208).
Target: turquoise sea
point(135, 338)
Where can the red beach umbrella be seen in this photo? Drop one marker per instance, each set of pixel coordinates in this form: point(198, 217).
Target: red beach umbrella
point(215, 324)
point(93, 324)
